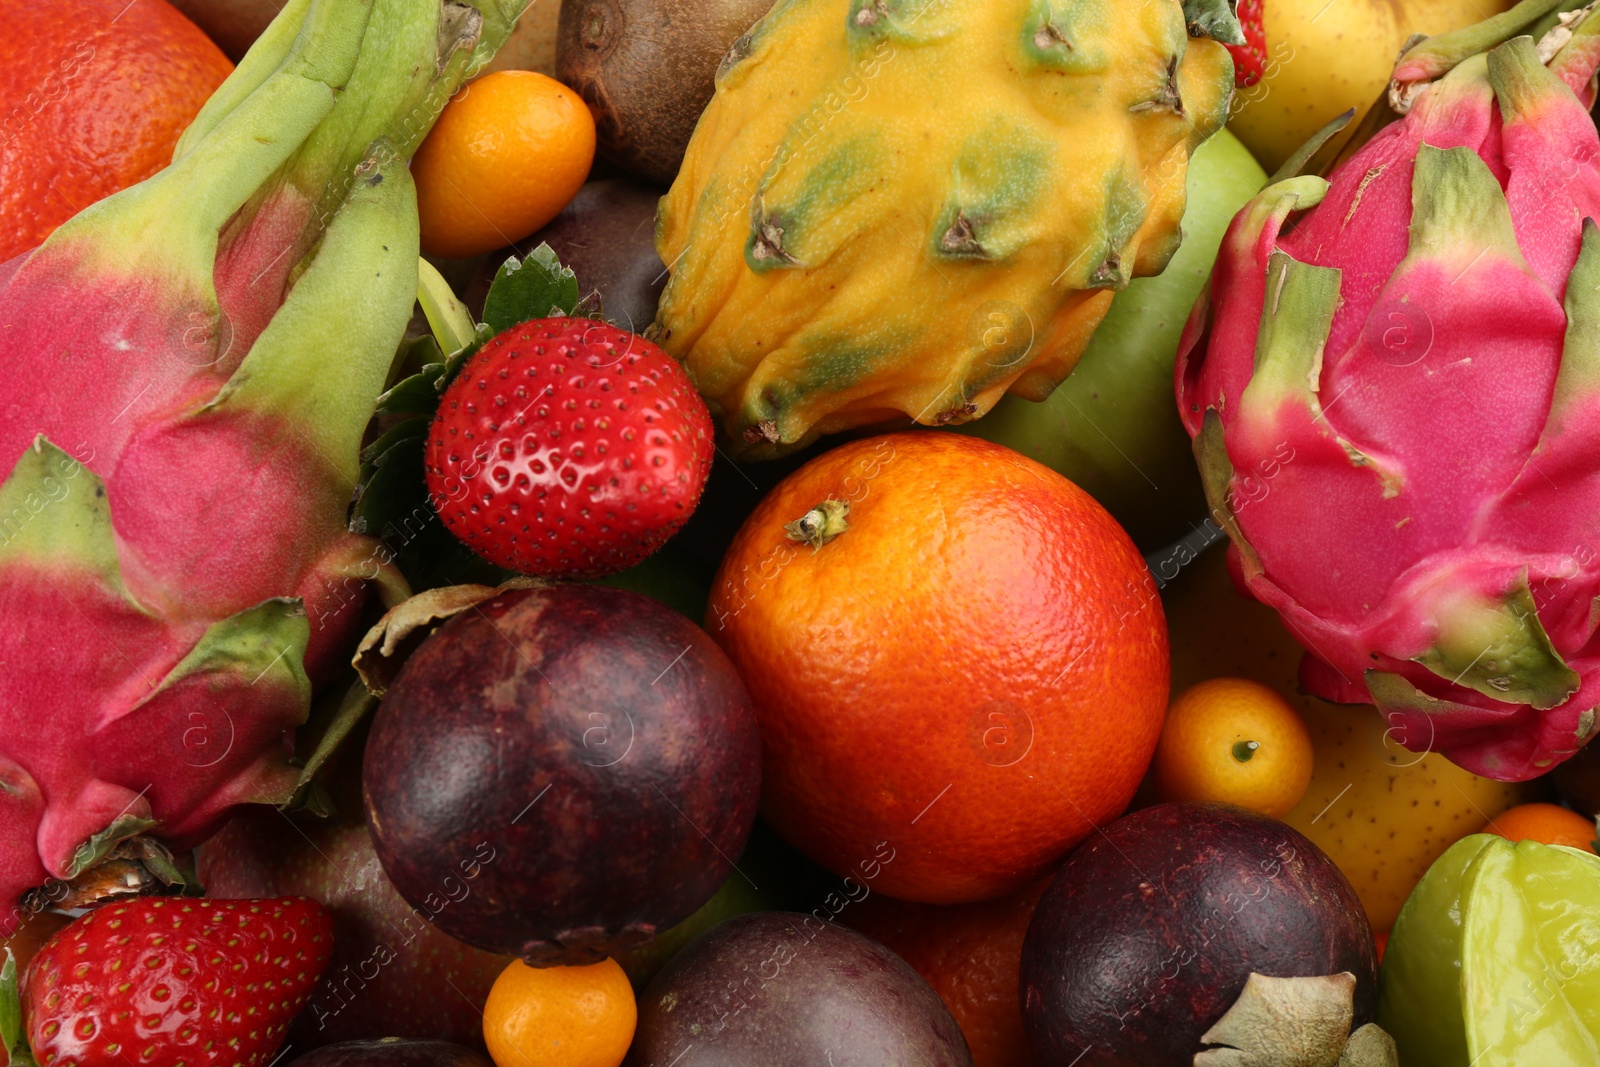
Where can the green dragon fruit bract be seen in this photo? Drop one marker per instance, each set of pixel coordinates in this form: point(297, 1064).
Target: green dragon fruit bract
point(1423, 345)
point(190, 365)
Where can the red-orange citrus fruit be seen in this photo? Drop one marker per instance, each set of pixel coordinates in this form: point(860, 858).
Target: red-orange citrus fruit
point(1549, 824)
point(958, 658)
point(93, 96)
point(971, 954)
point(509, 151)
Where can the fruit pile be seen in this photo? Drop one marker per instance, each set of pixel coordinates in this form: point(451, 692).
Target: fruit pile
point(867, 533)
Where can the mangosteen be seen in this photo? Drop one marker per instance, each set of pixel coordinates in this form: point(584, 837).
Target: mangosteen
point(562, 773)
point(392, 1052)
point(1149, 932)
point(1578, 780)
point(785, 990)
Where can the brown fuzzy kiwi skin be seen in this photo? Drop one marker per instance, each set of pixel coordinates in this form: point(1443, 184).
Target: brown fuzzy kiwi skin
point(647, 70)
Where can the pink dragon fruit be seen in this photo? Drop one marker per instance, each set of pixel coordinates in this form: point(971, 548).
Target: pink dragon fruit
point(1395, 401)
point(190, 366)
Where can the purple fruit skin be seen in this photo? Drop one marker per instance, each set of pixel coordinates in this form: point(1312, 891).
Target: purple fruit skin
point(785, 990)
point(562, 773)
point(607, 236)
point(1578, 780)
point(1147, 933)
point(392, 972)
point(389, 1053)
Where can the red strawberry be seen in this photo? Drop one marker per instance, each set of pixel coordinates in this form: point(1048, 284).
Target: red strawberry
point(159, 982)
point(1250, 58)
point(568, 448)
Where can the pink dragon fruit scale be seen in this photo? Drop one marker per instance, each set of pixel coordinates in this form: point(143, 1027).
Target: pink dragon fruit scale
point(1403, 366)
point(190, 366)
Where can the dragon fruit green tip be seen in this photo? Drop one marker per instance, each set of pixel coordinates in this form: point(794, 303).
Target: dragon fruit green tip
point(1422, 331)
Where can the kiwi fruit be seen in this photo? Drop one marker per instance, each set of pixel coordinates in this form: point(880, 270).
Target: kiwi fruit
point(647, 69)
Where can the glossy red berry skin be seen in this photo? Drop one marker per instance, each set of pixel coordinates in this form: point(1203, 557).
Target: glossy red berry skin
point(568, 449)
point(1250, 59)
point(164, 981)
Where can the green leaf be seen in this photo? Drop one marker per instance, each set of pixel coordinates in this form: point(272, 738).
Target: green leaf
point(421, 364)
point(97, 848)
point(531, 288)
point(12, 1036)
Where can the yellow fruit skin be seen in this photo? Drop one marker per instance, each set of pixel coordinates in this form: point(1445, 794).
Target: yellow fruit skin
point(1382, 812)
point(908, 225)
point(1323, 58)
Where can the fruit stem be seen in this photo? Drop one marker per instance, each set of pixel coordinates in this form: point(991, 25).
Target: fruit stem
point(1576, 45)
point(1436, 56)
point(821, 524)
point(1244, 750)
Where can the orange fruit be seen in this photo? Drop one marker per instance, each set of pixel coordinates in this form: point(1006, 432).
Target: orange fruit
point(971, 954)
point(560, 1016)
point(26, 933)
point(1235, 741)
point(1548, 824)
point(93, 96)
point(958, 687)
point(509, 151)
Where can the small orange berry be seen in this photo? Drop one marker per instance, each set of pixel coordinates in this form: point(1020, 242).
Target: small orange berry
point(509, 151)
point(1237, 742)
point(560, 1016)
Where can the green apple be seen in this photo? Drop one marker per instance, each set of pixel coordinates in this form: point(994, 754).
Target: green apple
point(1112, 427)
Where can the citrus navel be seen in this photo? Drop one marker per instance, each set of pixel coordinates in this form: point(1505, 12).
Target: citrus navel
point(1548, 824)
point(971, 954)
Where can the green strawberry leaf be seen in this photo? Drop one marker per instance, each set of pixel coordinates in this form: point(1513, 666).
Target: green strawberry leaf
point(13, 1039)
point(537, 287)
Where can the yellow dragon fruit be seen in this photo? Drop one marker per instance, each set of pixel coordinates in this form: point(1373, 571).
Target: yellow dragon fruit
point(190, 366)
point(900, 208)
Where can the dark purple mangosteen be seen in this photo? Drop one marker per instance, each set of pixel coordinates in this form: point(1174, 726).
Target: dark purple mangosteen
point(1148, 932)
point(562, 773)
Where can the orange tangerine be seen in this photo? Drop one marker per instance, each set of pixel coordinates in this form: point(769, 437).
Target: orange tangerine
point(1548, 824)
point(93, 97)
point(509, 151)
